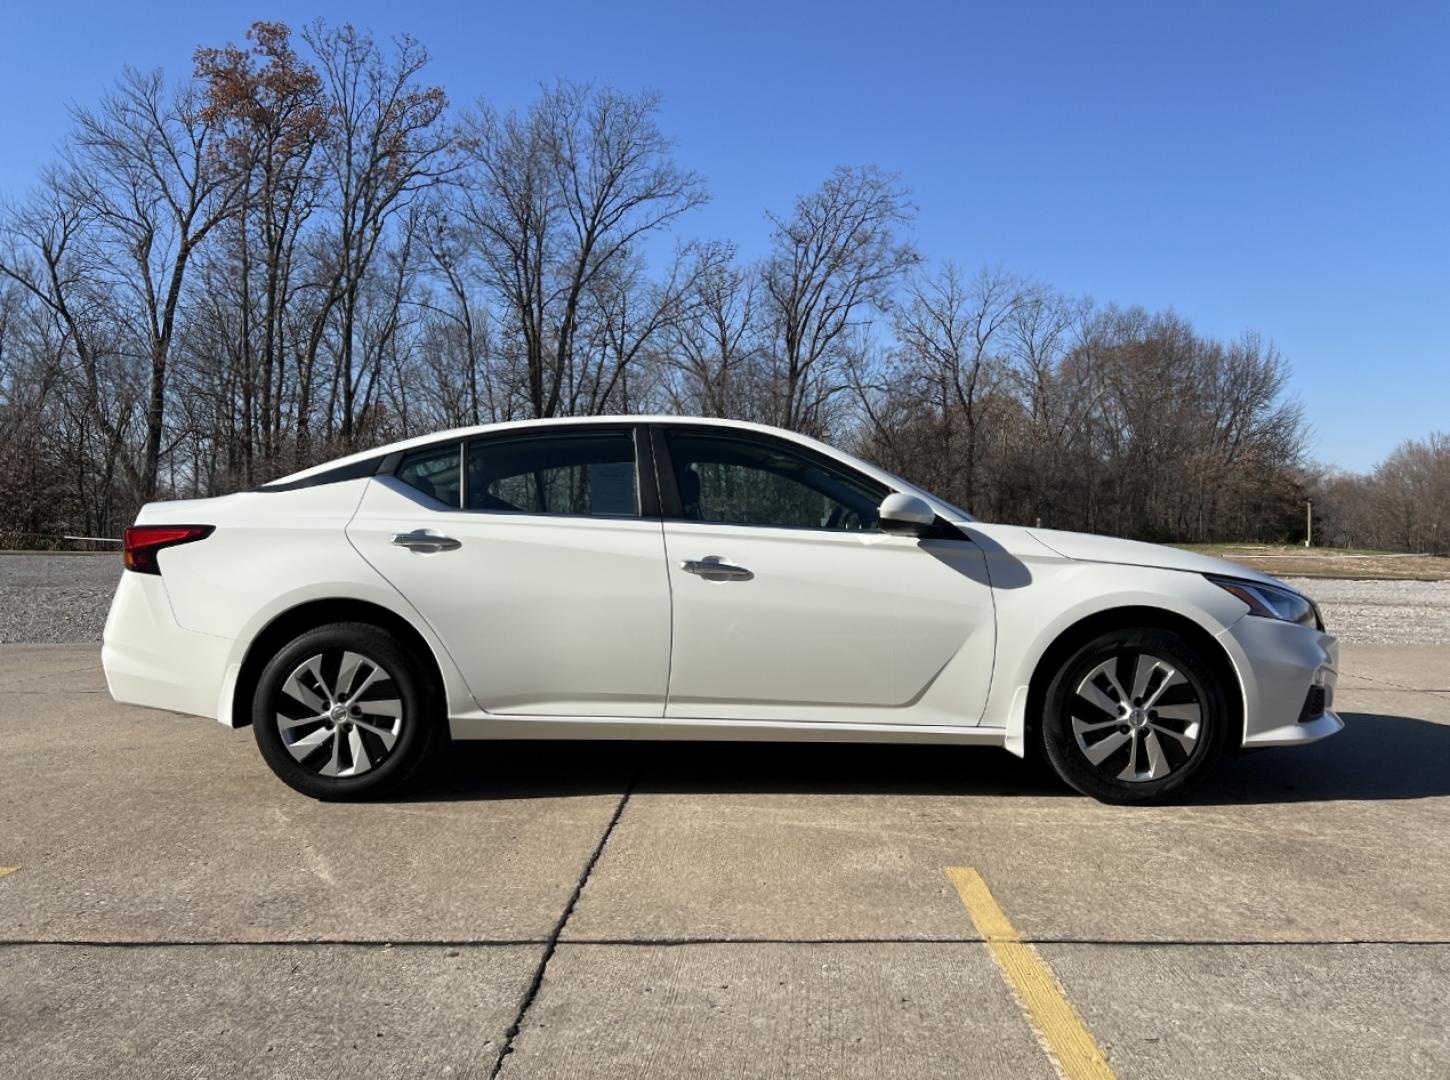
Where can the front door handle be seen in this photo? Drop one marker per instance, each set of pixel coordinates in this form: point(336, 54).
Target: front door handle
point(425, 541)
point(715, 568)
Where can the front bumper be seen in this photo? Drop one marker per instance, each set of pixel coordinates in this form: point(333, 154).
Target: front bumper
point(150, 660)
point(1278, 664)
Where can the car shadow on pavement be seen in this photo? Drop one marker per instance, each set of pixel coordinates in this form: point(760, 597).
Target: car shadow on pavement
point(1376, 757)
point(550, 769)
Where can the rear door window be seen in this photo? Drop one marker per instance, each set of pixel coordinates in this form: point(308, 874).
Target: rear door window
point(589, 473)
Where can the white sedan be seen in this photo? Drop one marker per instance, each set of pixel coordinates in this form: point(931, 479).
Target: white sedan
point(676, 578)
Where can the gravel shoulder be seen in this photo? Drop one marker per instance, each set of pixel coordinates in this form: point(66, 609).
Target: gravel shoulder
point(1283, 560)
point(56, 598)
point(1363, 612)
point(64, 598)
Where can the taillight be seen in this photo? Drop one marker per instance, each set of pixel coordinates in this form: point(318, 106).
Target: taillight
point(142, 542)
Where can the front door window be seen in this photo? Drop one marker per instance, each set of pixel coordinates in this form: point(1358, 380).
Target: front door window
point(742, 481)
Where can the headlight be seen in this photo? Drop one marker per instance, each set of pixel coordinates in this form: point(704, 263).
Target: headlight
point(1271, 602)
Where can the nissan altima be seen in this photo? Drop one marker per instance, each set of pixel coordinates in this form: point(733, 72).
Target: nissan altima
point(677, 578)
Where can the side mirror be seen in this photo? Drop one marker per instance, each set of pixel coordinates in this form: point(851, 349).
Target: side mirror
point(902, 513)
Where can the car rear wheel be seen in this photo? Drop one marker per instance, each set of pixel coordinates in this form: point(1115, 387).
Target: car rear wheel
point(1134, 716)
point(345, 712)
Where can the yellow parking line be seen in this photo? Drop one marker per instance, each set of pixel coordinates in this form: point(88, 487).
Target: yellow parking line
point(8, 870)
point(1056, 1023)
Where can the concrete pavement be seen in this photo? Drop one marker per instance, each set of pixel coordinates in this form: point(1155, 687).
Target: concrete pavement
point(688, 909)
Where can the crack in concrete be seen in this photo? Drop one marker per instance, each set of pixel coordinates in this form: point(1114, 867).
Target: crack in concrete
point(1376, 683)
point(553, 941)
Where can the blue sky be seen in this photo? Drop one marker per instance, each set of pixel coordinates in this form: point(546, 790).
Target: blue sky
point(1282, 167)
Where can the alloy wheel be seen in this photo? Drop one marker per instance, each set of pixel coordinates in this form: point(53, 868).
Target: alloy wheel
point(339, 713)
point(1136, 717)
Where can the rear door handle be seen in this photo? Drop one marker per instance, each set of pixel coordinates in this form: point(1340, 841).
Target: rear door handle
point(425, 541)
point(715, 568)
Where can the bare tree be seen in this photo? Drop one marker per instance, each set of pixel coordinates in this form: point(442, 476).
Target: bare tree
point(142, 167)
point(272, 118)
point(558, 197)
point(460, 318)
point(711, 352)
point(1058, 401)
point(952, 339)
point(51, 256)
point(385, 143)
point(835, 260)
point(1410, 495)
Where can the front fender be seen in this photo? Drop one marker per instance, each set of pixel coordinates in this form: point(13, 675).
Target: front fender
point(1064, 594)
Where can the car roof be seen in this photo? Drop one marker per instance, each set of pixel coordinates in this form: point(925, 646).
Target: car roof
point(507, 426)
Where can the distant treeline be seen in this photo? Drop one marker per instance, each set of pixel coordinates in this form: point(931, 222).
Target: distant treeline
point(1402, 505)
point(301, 250)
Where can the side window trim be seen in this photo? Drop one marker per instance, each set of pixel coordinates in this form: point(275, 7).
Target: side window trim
point(670, 505)
point(647, 473)
point(669, 490)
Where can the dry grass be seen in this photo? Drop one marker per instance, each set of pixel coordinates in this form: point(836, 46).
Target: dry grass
point(1283, 560)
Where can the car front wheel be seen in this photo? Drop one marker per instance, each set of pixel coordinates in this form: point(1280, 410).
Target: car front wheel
point(1134, 716)
point(344, 711)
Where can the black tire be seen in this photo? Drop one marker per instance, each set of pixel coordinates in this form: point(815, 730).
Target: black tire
point(387, 672)
point(1074, 730)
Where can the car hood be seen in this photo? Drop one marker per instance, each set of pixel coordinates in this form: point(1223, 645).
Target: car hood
point(1088, 547)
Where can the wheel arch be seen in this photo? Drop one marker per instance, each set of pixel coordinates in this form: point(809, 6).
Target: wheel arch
point(1133, 617)
point(305, 616)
